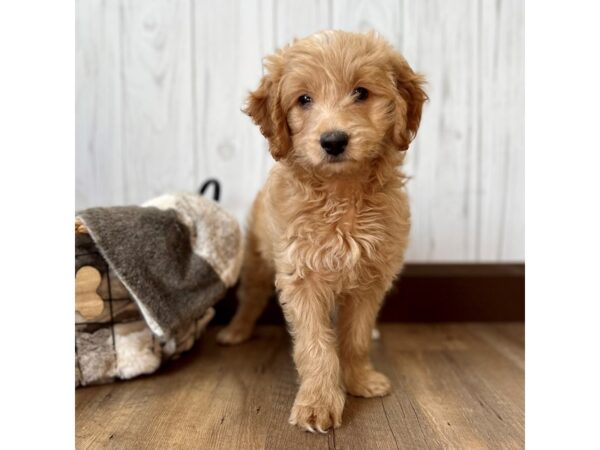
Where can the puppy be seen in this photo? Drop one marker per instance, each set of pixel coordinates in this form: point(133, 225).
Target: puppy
point(330, 227)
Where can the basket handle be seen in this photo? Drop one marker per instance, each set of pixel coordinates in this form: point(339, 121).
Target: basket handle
point(216, 188)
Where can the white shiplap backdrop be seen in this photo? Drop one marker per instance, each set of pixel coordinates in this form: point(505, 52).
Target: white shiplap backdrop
point(159, 86)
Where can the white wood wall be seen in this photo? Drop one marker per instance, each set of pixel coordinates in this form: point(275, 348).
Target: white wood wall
point(160, 83)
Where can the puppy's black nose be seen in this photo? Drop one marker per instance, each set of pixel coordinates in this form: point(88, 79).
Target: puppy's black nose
point(334, 142)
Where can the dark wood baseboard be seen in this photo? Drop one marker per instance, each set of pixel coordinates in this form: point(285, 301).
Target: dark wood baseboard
point(436, 293)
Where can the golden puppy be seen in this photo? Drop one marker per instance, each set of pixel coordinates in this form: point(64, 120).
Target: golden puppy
point(331, 225)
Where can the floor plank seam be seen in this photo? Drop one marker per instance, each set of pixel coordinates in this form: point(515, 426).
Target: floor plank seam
point(419, 423)
point(389, 425)
point(333, 440)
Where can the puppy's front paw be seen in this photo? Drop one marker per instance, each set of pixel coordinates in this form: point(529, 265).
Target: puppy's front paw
point(232, 335)
point(318, 414)
point(367, 383)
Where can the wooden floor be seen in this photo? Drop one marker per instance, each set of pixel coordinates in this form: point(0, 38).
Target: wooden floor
point(454, 386)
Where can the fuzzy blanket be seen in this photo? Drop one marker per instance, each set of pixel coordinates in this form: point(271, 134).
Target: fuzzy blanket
point(175, 256)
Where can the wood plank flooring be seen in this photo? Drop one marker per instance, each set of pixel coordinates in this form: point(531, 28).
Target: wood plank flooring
point(458, 386)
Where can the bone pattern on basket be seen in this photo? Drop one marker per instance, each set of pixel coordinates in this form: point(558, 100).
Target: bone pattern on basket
point(117, 343)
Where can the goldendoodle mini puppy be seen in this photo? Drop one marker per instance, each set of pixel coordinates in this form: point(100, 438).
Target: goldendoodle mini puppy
point(330, 227)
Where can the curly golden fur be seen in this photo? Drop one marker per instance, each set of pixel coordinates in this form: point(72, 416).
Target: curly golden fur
point(330, 230)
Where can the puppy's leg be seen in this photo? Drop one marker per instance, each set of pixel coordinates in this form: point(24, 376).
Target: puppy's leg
point(356, 318)
point(320, 399)
point(256, 286)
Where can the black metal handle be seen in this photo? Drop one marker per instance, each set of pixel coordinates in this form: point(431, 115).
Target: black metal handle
point(216, 188)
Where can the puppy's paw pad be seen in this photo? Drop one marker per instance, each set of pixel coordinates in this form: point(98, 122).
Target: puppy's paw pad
point(233, 335)
point(368, 384)
point(316, 418)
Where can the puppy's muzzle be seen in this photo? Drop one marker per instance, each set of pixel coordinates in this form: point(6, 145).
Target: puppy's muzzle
point(334, 142)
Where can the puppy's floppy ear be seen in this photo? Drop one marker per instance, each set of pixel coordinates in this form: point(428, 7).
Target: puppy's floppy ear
point(265, 109)
point(409, 103)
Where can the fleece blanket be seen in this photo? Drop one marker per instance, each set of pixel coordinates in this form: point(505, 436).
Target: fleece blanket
point(174, 256)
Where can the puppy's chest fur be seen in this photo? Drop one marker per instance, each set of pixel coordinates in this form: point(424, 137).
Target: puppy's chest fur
point(353, 237)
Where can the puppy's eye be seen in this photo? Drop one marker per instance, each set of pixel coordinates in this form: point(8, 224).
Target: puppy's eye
point(360, 94)
point(304, 100)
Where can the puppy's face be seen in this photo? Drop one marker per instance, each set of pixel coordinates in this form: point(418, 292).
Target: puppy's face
point(336, 100)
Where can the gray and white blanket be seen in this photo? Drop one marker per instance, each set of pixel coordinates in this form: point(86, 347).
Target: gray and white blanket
point(175, 256)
